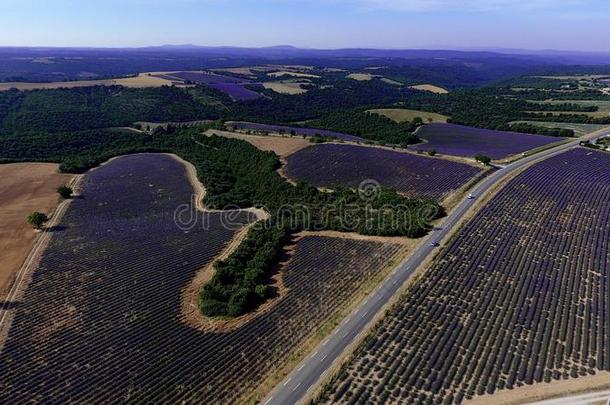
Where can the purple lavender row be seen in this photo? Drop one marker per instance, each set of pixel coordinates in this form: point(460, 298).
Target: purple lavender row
point(519, 296)
point(459, 140)
point(236, 91)
point(332, 165)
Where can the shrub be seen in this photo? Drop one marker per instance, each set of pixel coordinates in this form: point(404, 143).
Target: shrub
point(65, 191)
point(37, 219)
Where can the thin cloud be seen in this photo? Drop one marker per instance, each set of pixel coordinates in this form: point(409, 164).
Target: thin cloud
point(463, 5)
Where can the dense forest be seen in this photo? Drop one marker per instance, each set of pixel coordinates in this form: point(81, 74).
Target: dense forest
point(101, 107)
point(369, 126)
point(342, 94)
point(484, 108)
point(336, 106)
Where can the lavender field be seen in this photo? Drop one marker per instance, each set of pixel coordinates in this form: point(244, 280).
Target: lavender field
point(459, 140)
point(238, 91)
point(308, 132)
point(519, 297)
point(100, 321)
point(233, 86)
point(332, 165)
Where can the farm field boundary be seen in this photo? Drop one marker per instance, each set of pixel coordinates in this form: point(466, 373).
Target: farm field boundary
point(24, 187)
point(23, 276)
point(142, 80)
point(329, 326)
point(539, 392)
point(281, 145)
point(190, 312)
point(403, 114)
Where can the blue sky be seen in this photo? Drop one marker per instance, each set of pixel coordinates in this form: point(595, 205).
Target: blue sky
point(531, 24)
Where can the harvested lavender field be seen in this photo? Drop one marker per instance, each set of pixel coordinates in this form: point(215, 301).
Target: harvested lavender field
point(459, 140)
point(100, 321)
point(332, 165)
point(307, 132)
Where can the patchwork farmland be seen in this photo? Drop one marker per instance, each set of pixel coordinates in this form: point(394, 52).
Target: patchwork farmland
point(519, 297)
point(100, 320)
point(332, 165)
point(458, 140)
point(298, 254)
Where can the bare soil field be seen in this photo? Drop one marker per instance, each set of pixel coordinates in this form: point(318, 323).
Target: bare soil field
point(360, 76)
point(282, 146)
point(431, 88)
point(539, 392)
point(24, 187)
point(402, 115)
point(140, 81)
point(290, 88)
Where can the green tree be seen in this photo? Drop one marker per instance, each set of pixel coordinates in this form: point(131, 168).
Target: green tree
point(482, 158)
point(37, 219)
point(65, 191)
point(432, 152)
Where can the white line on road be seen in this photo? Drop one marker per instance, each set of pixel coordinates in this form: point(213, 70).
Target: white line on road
point(296, 386)
point(287, 381)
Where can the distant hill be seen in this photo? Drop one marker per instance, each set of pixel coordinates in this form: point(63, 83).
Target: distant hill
point(58, 64)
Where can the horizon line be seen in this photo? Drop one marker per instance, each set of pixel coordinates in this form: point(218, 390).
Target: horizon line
point(490, 49)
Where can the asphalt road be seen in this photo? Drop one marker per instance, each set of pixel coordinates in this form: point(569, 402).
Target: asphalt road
point(296, 387)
